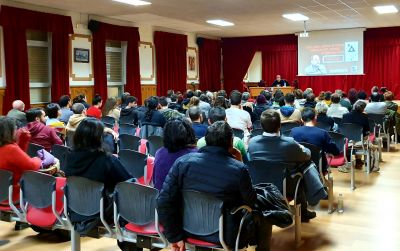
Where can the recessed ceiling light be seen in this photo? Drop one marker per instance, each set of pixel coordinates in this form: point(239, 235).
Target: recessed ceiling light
point(133, 2)
point(295, 17)
point(385, 9)
point(220, 22)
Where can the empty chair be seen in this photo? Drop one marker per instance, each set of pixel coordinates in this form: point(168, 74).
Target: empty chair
point(382, 129)
point(43, 194)
point(136, 204)
point(33, 149)
point(134, 162)
point(127, 129)
point(323, 126)
point(70, 139)
point(238, 133)
point(129, 142)
point(153, 144)
point(150, 130)
point(61, 153)
point(203, 216)
point(84, 197)
point(262, 171)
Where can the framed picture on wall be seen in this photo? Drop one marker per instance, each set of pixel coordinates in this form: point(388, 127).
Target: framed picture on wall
point(81, 55)
point(192, 64)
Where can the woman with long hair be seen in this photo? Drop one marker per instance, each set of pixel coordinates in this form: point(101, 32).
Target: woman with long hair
point(110, 108)
point(179, 139)
point(151, 116)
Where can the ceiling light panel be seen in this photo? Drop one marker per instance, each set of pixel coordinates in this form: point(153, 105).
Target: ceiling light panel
point(385, 9)
point(220, 22)
point(295, 17)
point(133, 2)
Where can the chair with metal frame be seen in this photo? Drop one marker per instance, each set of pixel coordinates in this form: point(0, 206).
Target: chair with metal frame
point(61, 153)
point(84, 197)
point(382, 132)
point(326, 178)
point(129, 129)
point(108, 121)
point(8, 210)
point(289, 126)
point(129, 142)
point(263, 171)
point(137, 164)
point(203, 216)
point(70, 139)
point(153, 144)
point(136, 204)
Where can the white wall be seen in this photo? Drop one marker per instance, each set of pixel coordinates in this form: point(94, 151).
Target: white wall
point(80, 22)
point(254, 73)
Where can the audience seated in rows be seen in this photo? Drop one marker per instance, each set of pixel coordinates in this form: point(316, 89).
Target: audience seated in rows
point(13, 158)
point(197, 118)
point(310, 101)
point(174, 103)
point(376, 106)
point(40, 133)
point(311, 134)
point(65, 104)
point(95, 111)
point(357, 116)
point(110, 109)
point(167, 112)
point(271, 146)
point(179, 139)
point(89, 160)
point(218, 114)
point(213, 171)
point(81, 99)
point(288, 112)
point(17, 113)
point(344, 101)
point(336, 110)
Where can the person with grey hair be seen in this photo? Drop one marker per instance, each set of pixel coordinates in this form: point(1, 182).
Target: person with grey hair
point(245, 97)
point(321, 109)
point(79, 111)
point(17, 113)
point(343, 101)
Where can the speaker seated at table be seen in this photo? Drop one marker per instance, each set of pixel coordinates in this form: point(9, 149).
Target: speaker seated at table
point(279, 82)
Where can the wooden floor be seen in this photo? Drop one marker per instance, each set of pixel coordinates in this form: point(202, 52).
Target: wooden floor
point(370, 221)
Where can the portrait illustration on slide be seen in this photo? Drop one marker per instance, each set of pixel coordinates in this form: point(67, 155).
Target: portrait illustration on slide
point(315, 67)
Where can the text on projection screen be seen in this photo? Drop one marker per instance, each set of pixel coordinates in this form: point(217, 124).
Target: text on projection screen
point(331, 52)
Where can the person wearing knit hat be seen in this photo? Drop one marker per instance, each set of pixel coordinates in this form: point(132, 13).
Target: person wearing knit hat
point(261, 105)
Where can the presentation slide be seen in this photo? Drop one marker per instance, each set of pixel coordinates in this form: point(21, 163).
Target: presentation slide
point(331, 52)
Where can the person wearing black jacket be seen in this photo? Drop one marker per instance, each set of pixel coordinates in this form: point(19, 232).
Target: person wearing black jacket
point(130, 113)
point(89, 160)
point(151, 116)
point(226, 179)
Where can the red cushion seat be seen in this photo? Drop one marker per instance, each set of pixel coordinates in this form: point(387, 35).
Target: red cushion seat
point(201, 243)
point(149, 229)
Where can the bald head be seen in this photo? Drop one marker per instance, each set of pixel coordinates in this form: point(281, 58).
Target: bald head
point(18, 105)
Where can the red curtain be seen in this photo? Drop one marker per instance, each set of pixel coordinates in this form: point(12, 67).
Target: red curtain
point(102, 32)
point(15, 22)
point(209, 64)
point(170, 61)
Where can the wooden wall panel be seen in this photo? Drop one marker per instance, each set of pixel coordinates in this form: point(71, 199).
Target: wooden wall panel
point(2, 90)
point(87, 90)
point(148, 90)
point(190, 87)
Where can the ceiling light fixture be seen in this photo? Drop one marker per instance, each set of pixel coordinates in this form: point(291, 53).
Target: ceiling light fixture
point(385, 9)
point(133, 2)
point(295, 17)
point(220, 22)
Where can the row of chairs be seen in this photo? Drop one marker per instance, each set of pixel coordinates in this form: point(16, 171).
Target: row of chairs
point(47, 202)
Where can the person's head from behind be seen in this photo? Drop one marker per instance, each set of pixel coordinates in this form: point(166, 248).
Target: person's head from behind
point(53, 111)
point(170, 93)
point(327, 96)
point(78, 108)
point(359, 106)
point(388, 96)
point(7, 130)
point(131, 101)
point(308, 115)
point(65, 101)
point(152, 103)
point(124, 96)
point(374, 89)
point(362, 95)
point(383, 90)
point(245, 97)
point(195, 114)
point(194, 101)
point(267, 95)
point(278, 94)
point(270, 121)
point(236, 97)
point(178, 135)
point(174, 98)
point(339, 92)
point(289, 99)
point(35, 115)
point(219, 134)
point(189, 94)
point(163, 102)
point(261, 100)
point(97, 100)
point(220, 102)
point(204, 98)
point(111, 104)
point(215, 114)
point(18, 105)
point(321, 96)
point(321, 108)
point(310, 98)
point(221, 93)
point(375, 97)
point(89, 134)
point(352, 94)
point(298, 94)
point(335, 98)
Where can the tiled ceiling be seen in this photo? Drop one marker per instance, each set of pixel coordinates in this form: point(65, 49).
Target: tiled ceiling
point(251, 17)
